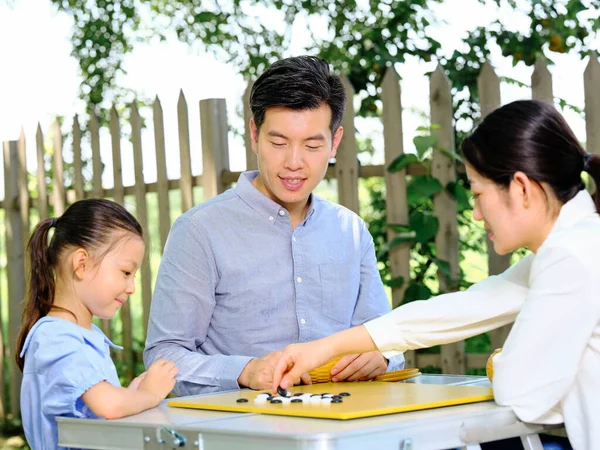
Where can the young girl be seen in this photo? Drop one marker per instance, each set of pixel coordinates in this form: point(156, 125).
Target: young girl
point(87, 270)
point(524, 165)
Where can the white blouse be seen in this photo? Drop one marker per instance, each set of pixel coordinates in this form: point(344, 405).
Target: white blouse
point(549, 368)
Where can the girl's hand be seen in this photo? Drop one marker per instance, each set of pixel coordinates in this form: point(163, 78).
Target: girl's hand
point(159, 380)
point(297, 359)
point(135, 383)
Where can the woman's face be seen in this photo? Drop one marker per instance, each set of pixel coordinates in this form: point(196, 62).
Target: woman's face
point(514, 217)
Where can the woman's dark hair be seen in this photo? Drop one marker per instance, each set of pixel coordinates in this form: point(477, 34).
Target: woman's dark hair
point(531, 137)
point(298, 83)
point(88, 224)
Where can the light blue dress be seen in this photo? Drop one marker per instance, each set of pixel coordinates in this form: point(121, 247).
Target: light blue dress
point(62, 361)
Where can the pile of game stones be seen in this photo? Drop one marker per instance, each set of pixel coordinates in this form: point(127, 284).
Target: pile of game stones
point(285, 397)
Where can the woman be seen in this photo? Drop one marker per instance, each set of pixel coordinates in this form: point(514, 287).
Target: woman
point(524, 165)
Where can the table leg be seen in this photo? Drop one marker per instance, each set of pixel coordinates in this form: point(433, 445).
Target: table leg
point(532, 442)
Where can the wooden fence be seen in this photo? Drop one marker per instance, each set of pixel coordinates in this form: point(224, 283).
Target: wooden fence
point(217, 176)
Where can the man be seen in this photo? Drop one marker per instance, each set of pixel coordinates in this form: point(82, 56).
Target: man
point(267, 263)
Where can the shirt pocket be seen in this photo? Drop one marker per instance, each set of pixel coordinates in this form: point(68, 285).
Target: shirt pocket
point(339, 291)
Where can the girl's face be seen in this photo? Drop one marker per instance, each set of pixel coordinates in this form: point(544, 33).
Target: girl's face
point(108, 283)
point(515, 217)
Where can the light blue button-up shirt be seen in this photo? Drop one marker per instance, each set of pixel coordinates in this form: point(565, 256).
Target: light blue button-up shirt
point(236, 282)
point(62, 361)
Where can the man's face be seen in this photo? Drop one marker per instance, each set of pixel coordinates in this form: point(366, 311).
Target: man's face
point(293, 149)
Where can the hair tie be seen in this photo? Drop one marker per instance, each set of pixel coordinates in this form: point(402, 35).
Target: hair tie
point(53, 223)
point(586, 161)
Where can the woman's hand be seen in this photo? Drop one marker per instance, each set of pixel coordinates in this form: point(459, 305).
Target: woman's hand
point(297, 359)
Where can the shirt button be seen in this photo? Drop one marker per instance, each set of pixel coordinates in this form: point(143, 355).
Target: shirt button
point(299, 280)
point(294, 238)
point(302, 321)
point(281, 212)
point(271, 218)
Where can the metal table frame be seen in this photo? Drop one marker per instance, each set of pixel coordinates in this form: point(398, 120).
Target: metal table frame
point(464, 426)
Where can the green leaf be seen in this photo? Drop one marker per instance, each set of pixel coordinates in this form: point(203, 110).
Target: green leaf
point(444, 267)
point(395, 282)
point(399, 228)
point(460, 194)
point(401, 238)
point(424, 143)
point(451, 155)
point(425, 225)
point(402, 161)
point(421, 188)
point(416, 291)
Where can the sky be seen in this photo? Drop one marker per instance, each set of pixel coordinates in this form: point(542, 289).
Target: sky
point(39, 80)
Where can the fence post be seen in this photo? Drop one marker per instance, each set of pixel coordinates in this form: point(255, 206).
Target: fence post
point(395, 183)
point(443, 168)
point(251, 161)
point(115, 135)
point(59, 180)
point(541, 82)
point(3, 404)
point(77, 165)
point(395, 187)
point(97, 170)
point(489, 98)
point(185, 179)
point(41, 174)
point(23, 188)
point(142, 216)
point(591, 83)
point(346, 161)
point(215, 150)
point(15, 264)
point(162, 182)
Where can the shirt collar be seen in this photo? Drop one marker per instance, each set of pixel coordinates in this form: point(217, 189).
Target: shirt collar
point(95, 336)
point(576, 209)
point(262, 204)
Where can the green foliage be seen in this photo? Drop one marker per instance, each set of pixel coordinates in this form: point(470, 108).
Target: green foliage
point(422, 226)
point(361, 39)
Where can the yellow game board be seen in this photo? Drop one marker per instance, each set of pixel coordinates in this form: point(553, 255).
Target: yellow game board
point(366, 399)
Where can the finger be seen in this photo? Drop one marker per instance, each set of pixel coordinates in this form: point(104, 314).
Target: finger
point(343, 363)
point(364, 371)
point(376, 364)
point(357, 364)
point(287, 373)
point(373, 374)
point(168, 364)
point(306, 379)
point(281, 367)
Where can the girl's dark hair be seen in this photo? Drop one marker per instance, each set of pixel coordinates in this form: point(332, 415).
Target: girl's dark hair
point(87, 224)
point(299, 83)
point(531, 137)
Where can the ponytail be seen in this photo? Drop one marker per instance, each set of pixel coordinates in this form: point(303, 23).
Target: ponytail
point(592, 167)
point(40, 295)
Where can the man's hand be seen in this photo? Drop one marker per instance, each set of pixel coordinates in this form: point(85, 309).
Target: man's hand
point(258, 373)
point(359, 367)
